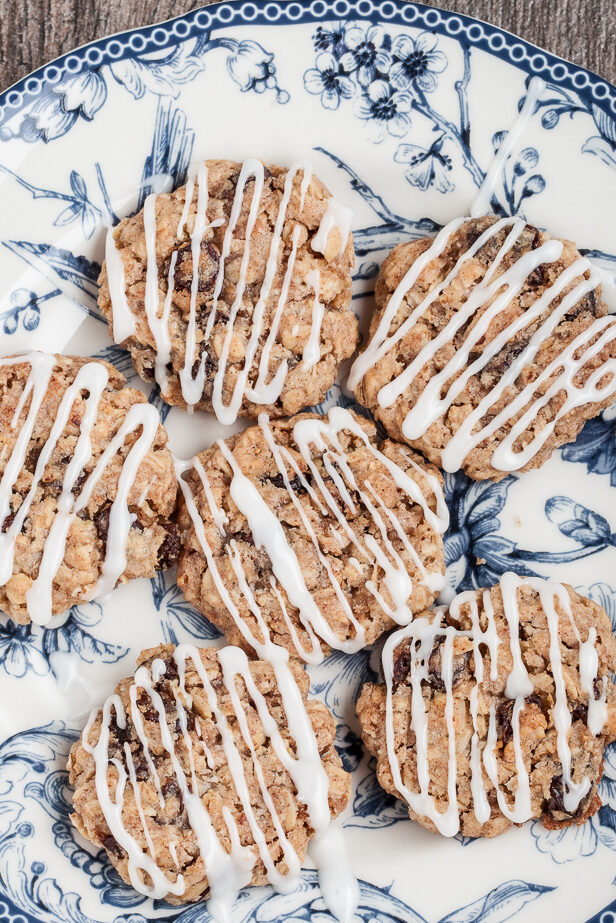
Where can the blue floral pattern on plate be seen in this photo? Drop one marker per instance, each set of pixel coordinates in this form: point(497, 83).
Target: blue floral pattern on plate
point(400, 84)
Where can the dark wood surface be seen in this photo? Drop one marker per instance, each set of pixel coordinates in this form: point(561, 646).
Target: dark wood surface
point(33, 32)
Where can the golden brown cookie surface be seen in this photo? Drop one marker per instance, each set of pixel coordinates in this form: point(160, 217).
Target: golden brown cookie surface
point(192, 737)
point(267, 323)
point(510, 674)
point(87, 484)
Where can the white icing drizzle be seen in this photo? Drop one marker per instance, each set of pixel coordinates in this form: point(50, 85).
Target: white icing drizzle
point(312, 353)
point(227, 871)
point(481, 203)
point(422, 636)
point(192, 388)
point(159, 326)
point(321, 436)
point(589, 667)
point(275, 388)
point(496, 292)
point(192, 385)
point(338, 218)
point(124, 324)
point(91, 378)
point(268, 533)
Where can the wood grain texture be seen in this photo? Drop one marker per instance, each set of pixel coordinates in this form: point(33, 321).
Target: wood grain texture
point(33, 32)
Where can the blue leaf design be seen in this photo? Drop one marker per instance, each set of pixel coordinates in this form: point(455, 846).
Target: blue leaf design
point(500, 904)
point(157, 401)
point(578, 522)
point(33, 750)
point(568, 843)
point(19, 650)
point(595, 447)
point(601, 148)
point(174, 610)
point(10, 812)
point(78, 185)
point(68, 215)
point(341, 671)
point(53, 794)
point(78, 270)
point(172, 146)
point(476, 555)
point(163, 76)
point(193, 621)
point(605, 595)
point(71, 637)
point(373, 807)
point(456, 546)
point(349, 747)
point(496, 556)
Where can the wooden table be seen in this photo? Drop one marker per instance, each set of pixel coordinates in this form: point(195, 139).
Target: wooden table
point(33, 32)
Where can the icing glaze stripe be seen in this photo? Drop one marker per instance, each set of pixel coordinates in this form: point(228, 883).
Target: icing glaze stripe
point(421, 638)
point(92, 379)
point(227, 870)
point(336, 218)
point(484, 304)
point(319, 439)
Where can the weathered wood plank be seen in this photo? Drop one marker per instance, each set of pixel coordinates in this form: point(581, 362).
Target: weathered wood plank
point(33, 32)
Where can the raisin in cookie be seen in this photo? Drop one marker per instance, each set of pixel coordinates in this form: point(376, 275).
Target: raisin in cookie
point(87, 485)
point(309, 533)
point(490, 347)
point(503, 706)
point(265, 322)
point(196, 784)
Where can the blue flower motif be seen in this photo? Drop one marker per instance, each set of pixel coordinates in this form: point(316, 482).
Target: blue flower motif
point(252, 68)
point(568, 843)
point(19, 651)
point(605, 595)
point(416, 62)
point(73, 635)
point(176, 615)
point(58, 107)
point(373, 807)
point(329, 80)
point(349, 747)
point(517, 184)
point(602, 145)
point(596, 447)
point(427, 167)
point(28, 648)
point(24, 308)
point(367, 52)
point(386, 109)
point(331, 39)
point(475, 554)
point(584, 526)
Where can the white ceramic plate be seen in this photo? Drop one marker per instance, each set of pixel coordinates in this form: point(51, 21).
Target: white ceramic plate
point(331, 81)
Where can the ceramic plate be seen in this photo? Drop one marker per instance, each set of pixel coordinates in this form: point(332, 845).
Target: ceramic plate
point(79, 141)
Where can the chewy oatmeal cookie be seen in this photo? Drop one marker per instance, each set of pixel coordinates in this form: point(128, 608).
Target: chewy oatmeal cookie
point(311, 533)
point(515, 674)
point(266, 323)
point(490, 347)
point(213, 782)
point(87, 485)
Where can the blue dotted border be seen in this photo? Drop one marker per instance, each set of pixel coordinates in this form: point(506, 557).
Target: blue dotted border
point(607, 915)
point(501, 44)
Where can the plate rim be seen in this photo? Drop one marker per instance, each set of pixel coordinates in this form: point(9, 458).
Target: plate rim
point(230, 13)
point(226, 13)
